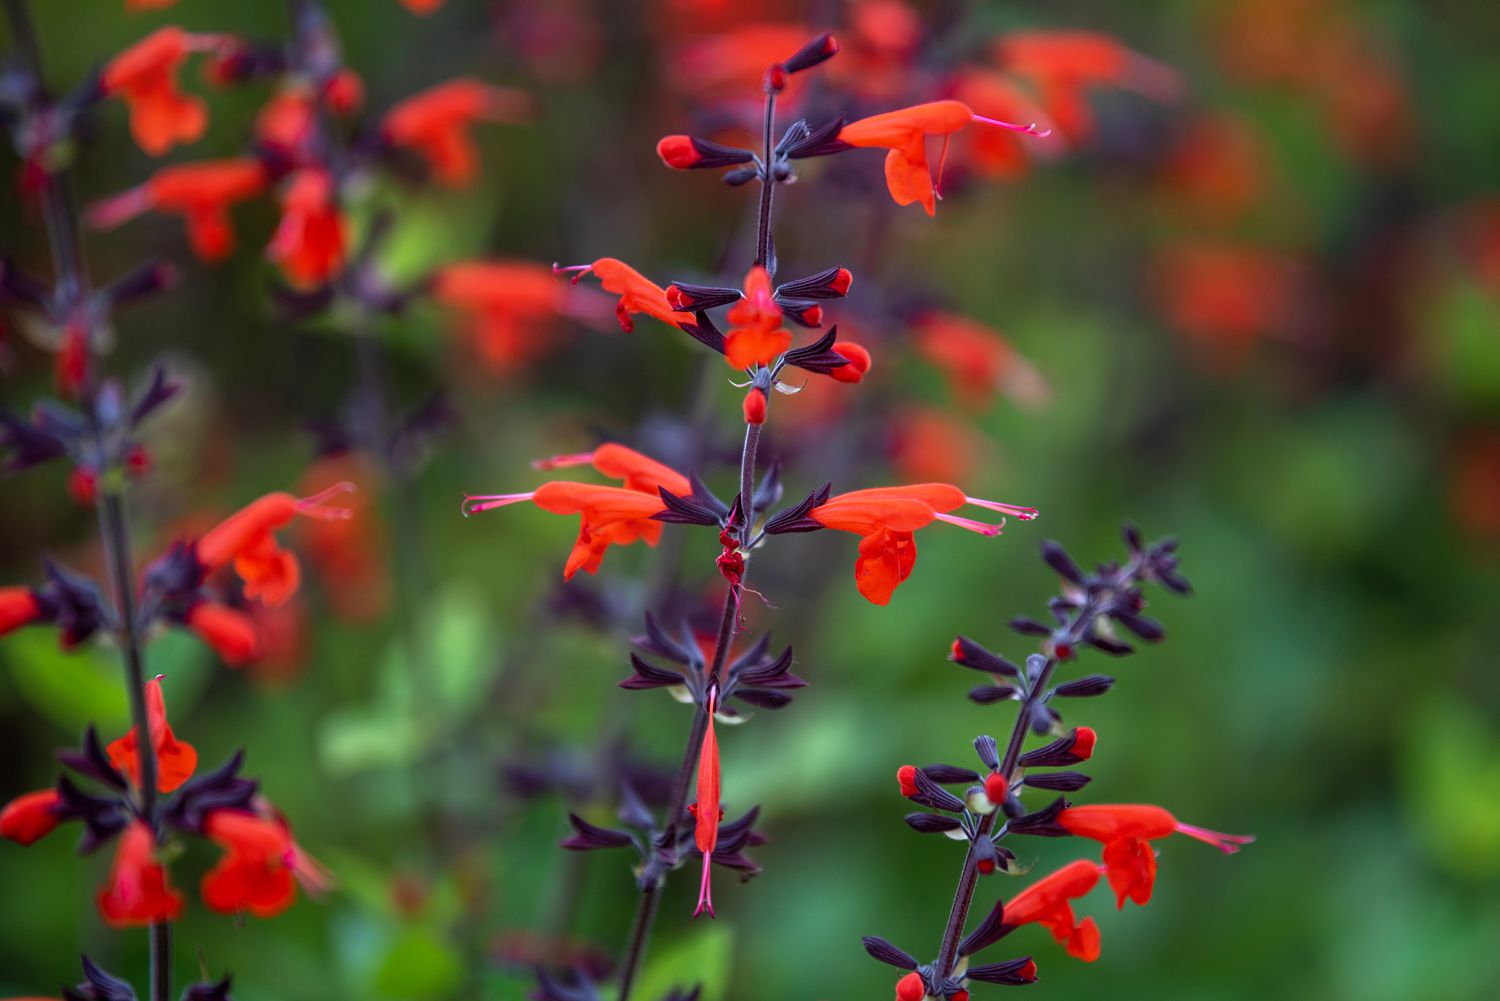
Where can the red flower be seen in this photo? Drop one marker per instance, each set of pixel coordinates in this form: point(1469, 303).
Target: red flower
point(859, 360)
point(247, 540)
point(1046, 902)
point(18, 607)
point(754, 406)
point(200, 192)
point(906, 778)
point(638, 294)
point(507, 306)
point(977, 360)
point(175, 760)
point(134, 6)
point(997, 153)
point(1224, 297)
point(634, 470)
point(231, 634)
point(145, 76)
point(904, 132)
point(309, 242)
point(733, 61)
point(435, 124)
point(31, 817)
point(707, 812)
point(756, 336)
point(422, 6)
point(911, 987)
point(255, 874)
point(138, 892)
point(349, 554)
point(1126, 832)
point(886, 517)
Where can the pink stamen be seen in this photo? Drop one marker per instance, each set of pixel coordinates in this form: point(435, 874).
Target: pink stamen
point(121, 208)
point(580, 269)
point(475, 503)
point(1030, 130)
point(937, 186)
point(564, 461)
point(1014, 510)
point(982, 527)
point(705, 890)
point(1226, 843)
point(314, 506)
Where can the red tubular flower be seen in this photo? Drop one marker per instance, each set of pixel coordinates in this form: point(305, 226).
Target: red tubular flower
point(997, 153)
point(634, 470)
point(247, 540)
point(638, 294)
point(1046, 902)
point(175, 759)
point(886, 517)
point(904, 132)
point(435, 124)
point(18, 607)
point(756, 336)
point(138, 892)
point(200, 192)
point(977, 360)
point(29, 818)
point(255, 875)
point(754, 407)
point(145, 77)
point(309, 242)
point(1126, 831)
point(911, 987)
point(231, 633)
point(706, 812)
point(507, 306)
point(608, 516)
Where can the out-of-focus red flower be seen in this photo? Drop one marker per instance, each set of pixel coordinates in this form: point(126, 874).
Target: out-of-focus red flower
point(879, 49)
point(1474, 484)
point(731, 63)
point(229, 632)
point(927, 444)
point(756, 336)
point(135, 6)
point(145, 77)
point(31, 817)
point(138, 892)
point(348, 554)
point(435, 124)
point(18, 607)
point(1225, 297)
point(247, 540)
point(557, 41)
point(508, 308)
point(1366, 100)
point(885, 519)
point(1217, 169)
point(287, 122)
point(1126, 831)
point(176, 759)
point(1064, 65)
point(255, 874)
point(904, 133)
point(977, 360)
point(310, 241)
point(638, 294)
point(421, 6)
point(201, 193)
point(1047, 902)
point(996, 153)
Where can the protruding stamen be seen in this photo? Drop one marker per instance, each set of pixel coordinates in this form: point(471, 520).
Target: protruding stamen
point(982, 527)
point(315, 506)
point(1030, 130)
point(1014, 510)
point(705, 890)
point(475, 503)
point(1226, 843)
point(564, 461)
point(579, 270)
point(121, 208)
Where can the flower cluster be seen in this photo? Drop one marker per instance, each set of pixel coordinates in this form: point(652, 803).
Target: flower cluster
point(1093, 610)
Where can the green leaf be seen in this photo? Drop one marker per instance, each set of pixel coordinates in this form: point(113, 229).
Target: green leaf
point(419, 965)
point(70, 688)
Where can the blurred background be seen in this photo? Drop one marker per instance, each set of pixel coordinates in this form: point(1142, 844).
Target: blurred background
point(1247, 294)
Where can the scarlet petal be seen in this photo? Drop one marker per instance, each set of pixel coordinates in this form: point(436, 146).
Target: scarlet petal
point(18, 606)
point(137, 892)
point(677, 151)
point(230, 632)
point(29, 818)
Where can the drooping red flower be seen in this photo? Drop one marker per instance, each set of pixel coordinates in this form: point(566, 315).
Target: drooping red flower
point(885, 518)
point(310, 241)
point(638, 294)
point(507, 306)
point(199, 192)
point(30, 817)
point(176, 760)
point(247, 540)
point(231, 633)
point(978, 361)
point(756, 335)
point(1126, 831)
point(707, 812)
point(904, 133)
point(255, 874)
point(18, 607)
point(138, 892)
point(435, 124)
point(145, 77)
point(1047, 903)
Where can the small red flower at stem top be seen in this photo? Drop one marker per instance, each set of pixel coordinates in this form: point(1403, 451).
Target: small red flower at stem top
point(886, 517)
point(138, 892)
point(199, 192)
point(1126, 831)
point(310, 242)
point(904, 132)
point(176, 760)
point(435, 124)
point(707, 812)
point(247, 540)
point(145, 77)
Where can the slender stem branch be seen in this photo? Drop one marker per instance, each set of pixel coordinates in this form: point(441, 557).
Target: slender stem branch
point(767, 185)
point(640, 933)
point(115, 532)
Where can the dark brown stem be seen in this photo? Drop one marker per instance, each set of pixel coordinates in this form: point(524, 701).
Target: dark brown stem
point(640, 934)
point(767, 185)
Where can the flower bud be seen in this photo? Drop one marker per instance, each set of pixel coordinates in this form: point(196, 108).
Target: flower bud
point(911, 987)
point(858, 358)
point(907, 776)
point(755, 407)
point(995, 787)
